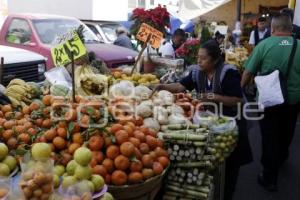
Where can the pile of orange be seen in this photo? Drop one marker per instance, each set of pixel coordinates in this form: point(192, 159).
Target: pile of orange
point(131, 155)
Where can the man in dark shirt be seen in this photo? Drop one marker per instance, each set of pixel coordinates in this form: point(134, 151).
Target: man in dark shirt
point(123, 40)
point(296, 29)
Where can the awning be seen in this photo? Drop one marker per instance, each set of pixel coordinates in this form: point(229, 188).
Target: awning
point(191, 9)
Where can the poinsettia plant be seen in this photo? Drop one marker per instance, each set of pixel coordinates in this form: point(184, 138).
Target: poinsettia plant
point(189, 51)
point(158, 18)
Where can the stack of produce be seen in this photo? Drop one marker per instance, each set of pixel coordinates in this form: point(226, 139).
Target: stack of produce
point(21, 93)
point(7, 162)
point(188, 176)
point(223, 140)
point(37, 176)
point(136, 78)
point(188, 104)
point(237, 57)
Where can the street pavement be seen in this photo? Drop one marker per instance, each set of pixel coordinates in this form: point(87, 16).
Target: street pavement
point(289, 178)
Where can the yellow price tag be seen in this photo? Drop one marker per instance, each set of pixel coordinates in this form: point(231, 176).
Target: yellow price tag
point(62, 53)
point(155, 35)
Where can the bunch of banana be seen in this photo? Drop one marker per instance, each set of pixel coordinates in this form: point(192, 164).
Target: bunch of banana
point(88, 83)
point(18, 92)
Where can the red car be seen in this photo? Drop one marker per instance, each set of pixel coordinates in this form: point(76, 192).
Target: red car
point(38, 33)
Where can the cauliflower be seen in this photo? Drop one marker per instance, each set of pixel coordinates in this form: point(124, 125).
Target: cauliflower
point(177, 119)
point(143, 111)
point(161, 114)
point(166, 96)
point(152, 123)
point(142, 92)
point(122, 89)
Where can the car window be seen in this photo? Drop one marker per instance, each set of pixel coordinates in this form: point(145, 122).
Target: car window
point(93, 28)
point(19, 32)
point(110, 31)
point(50, 31)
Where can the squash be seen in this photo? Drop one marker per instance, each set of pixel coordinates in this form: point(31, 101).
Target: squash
point(59, 90)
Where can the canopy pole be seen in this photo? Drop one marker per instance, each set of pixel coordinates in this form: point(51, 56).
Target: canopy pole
point(238, 10)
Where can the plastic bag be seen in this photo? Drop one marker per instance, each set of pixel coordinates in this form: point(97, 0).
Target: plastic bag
point(204, 118)
point(36, 178)
point(80, 190)
point(59, 75)
point(224, 125)
point(4, 188)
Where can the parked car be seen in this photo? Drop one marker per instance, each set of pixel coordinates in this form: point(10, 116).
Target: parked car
point(39, 33)
point(23, 64)
point(105, 31)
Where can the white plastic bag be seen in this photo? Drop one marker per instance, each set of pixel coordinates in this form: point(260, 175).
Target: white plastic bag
point(269, 90)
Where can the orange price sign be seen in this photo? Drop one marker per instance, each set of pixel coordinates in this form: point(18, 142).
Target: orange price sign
point(155, 35)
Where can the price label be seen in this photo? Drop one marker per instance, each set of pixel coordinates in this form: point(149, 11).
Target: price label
point(62, 53)
point(155, 35)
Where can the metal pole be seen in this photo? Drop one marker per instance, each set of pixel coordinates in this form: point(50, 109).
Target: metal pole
point(238, 10)
point(1, 69)
point(73, 78)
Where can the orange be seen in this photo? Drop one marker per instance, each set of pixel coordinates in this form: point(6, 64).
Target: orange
point(12, 143)
point(139, 135)
point(25, 138)
point(96, 143)
point(50, 134)
point(135, 177)
point(34, 106)
point(121, 136)
point(129, 130)
point(157, 168)
point(115, 128)
point(47, 100)
point(108, 164)
point(6, 108)
point(100, 169)
point(151, 141)
point(77, 138)
point(127, 149)
point(161, 152)
point(46, 123)
point(136, 142)
point(73, 147)
point(147, 161)
point(164, 161)
point(59, 143)
point(62, 132)
point(136, 166)
point(7, 134)
point(144, 148)
point(122, 162)
point(112, 152)
point(26, 110)
point(147, 173)
point(9, 124)
point(119, 178)
point(99, 156)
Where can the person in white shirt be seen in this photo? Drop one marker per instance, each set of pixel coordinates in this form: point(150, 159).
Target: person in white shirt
point(260, 33)
point(167, 49)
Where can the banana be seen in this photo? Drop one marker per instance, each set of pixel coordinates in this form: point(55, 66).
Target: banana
point(15, 102)
point(16, 81)
point(14, 95)
point(17, 89)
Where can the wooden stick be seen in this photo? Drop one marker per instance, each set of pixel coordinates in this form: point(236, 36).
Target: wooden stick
point(1, 69)
point(141, 53)
point(73, 77)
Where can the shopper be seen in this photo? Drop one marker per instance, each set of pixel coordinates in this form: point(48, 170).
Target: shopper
point(219, 83)
point(296, 29)
point(122, 38)
point(168, 48)
point(260, 33)
point(278, 125)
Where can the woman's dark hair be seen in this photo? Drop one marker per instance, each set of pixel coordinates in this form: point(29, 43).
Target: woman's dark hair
point(218, 35)
point(212, 48)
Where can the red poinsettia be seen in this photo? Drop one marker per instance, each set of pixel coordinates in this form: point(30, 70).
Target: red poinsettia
point(189, 51)
point(158, 18)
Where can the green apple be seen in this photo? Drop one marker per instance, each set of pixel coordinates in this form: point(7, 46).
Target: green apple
point(83, 172)
point(41, 151)
point(98, 182)
point(56, 181)
point(107, 196)
point(83, 156)
point(4, 170)
point(11, 162)
point(59, 170)
point(3, 151)
point(71, 166)
point(68, 181)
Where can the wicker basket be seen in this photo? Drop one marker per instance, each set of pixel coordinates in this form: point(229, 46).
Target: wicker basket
point(144, 191)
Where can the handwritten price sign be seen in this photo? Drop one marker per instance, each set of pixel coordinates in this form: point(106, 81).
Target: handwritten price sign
point(62, 53)
point(155, 35)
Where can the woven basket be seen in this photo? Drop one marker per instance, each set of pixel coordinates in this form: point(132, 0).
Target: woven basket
point(144, 191)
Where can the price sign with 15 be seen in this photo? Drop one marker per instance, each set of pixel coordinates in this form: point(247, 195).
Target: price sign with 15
point(62, 53)
point(155, 35)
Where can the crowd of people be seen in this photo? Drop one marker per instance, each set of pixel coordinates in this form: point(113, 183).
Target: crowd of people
point(272, 47)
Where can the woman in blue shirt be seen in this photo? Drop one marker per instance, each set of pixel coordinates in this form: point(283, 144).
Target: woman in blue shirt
point(218, 83)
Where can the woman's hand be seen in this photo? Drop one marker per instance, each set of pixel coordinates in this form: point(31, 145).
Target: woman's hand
point(216, 98)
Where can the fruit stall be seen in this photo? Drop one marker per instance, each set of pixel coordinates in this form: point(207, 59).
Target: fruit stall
point(114, 140)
